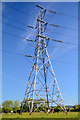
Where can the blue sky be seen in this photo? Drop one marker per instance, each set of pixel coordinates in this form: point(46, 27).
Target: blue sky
point(64, 57)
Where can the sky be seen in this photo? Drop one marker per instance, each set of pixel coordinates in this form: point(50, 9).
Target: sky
point(64, 57)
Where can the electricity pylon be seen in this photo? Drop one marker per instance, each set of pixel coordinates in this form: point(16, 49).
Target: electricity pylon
point(42, 81)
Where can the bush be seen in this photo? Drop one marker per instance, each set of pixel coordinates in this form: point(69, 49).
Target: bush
point(6, 110)
point(7, 106)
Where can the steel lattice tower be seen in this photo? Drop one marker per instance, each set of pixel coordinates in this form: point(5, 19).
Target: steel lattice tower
point(42, 81)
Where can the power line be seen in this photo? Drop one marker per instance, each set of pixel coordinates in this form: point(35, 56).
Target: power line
point(64, 14)
point(25, 13)
point(14, 35)
point(32, 33)
point(60, 47)
point(19, 54)
point(64, 62)
point(25, 30)
point(35, 18)
point(13, 53)
point(18, 27)
point(69, 28)
point(11, 34)
point(59, 26)
point(54, 12)
point(67, 15)
point(59, 33)
point(60, 13)
point(53, 40)
point(12, 19)
point(34, 29)
point(13, 26)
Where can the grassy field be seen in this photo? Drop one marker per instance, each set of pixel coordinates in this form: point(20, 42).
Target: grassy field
point(41, 115)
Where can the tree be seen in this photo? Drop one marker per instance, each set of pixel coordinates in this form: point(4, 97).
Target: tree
point(75, 108)
point(7, 106)
point(57, 108)
point(72, 109)
point(79, 107)
point(68, 109)
point(16, 105)
point(0, 108)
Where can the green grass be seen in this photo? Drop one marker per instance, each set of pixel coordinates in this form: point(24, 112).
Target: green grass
point(0, 116)
point(41, 115)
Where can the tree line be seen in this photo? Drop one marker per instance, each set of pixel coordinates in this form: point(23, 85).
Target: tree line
point(9, 105)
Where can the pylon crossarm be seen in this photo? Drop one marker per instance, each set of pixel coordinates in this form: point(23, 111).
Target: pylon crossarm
point(45, 9)
point(30, 40)
point(42, 21)
point(30, 26)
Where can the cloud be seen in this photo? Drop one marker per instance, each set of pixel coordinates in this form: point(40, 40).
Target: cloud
point(59, 51)
point(29, 34)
